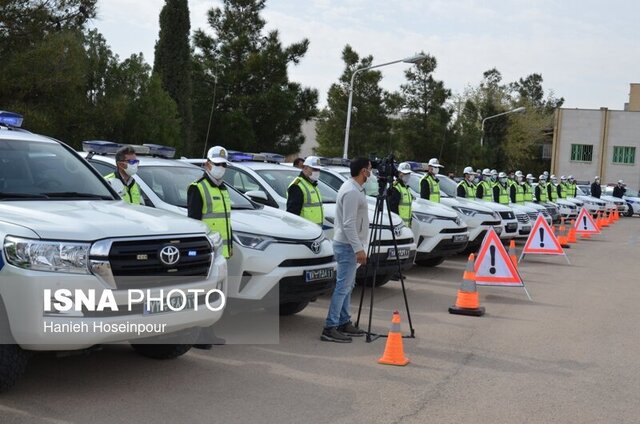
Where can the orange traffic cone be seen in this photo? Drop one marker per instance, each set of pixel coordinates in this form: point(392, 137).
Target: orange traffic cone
point(563, 237)
point(512, 253)
point(599, 220)
point(393, 351)
point(468, 301)
point(605, 219)
point(572, 233)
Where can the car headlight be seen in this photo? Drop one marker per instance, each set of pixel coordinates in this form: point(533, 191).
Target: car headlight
point(216, 241)
point(51, 256)
point(424, 217)
point(466, 211)
point(252, 241)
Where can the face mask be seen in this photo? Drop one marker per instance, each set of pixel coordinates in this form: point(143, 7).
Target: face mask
point(503, 180)
point(131, 170)
point(519, 179)
point(315, 175)
point(217, 172)
point(405, 179)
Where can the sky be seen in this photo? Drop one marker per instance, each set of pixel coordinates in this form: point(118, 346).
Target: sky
point(587, 51)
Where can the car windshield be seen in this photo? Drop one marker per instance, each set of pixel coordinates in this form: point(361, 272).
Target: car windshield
point(279, 180)
point(170, 184)
point(37, 170)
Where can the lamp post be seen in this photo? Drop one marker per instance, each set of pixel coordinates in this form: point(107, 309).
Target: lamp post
point(413, 59)
point(520, 109)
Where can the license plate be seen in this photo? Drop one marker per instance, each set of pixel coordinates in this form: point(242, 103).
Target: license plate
point(318, 274)
point(403, 253)
point(460, 238)
point(176, 302)
point(512, 226)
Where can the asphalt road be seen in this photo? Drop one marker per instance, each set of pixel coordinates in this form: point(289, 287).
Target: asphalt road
point(569, 356)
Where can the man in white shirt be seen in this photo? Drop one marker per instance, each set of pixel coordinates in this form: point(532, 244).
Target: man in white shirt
point(349, 247)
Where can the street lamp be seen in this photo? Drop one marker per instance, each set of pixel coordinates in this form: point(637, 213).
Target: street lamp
point(413, 59)
point(520, 109)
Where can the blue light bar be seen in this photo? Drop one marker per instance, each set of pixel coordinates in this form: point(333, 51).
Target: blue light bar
point(415, 166)
point(159, 150)
point(10, 119)
point(235, 156)
point(337, 161)
point(100, 147)
point(273, 157)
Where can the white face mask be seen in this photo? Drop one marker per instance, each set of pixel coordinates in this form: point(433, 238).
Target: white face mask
point(405, 178)
point(519, 179)
point(217, 172)
point(503, 180)
point(131, 170)
point(315, 175)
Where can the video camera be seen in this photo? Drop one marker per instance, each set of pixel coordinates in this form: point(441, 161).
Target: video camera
point(387, 168)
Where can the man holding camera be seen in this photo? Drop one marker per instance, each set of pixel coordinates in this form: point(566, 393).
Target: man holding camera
point(350, 237)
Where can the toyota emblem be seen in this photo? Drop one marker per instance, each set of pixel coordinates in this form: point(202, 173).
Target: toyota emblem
point(397, 230)
point(169, 255)
point(315, 247)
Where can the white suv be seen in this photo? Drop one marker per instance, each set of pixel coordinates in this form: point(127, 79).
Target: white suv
point(74, 257)
point(268, 183)
point(272, 249)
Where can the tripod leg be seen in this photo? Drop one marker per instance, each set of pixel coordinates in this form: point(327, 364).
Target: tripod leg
point(369, 255)
point(377, 236)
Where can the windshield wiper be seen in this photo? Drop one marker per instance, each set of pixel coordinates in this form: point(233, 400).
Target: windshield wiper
point(8, 195)
point(71, 194)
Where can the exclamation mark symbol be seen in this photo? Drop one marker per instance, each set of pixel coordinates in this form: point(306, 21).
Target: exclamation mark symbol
point(541, 237)
point(492, 252)
point(584, 220)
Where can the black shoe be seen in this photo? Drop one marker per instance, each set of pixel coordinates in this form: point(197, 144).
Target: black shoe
point(333, 335)
point(351, 330)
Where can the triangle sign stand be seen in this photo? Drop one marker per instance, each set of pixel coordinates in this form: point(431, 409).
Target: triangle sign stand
point(542, 241)
point(585, 224)
point(493, 266)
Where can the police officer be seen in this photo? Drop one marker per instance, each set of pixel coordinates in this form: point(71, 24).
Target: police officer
point(516, 189)
point(563, 188)
point(429, 184)
point(303, 195)
point(466, 187)
point(501, 190)
point(596, 190)
point(477, 178)
point(122, 180)
point(484, 190)
point(528, 188)
point(494, 177)
point(208, 199)
point(400, 197)
point(619, 190)
point(541, 193)
point(552, 189)
point(573, 186)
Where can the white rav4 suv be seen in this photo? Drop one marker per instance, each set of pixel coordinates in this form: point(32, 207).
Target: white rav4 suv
point(75, 260)
point(272, 250)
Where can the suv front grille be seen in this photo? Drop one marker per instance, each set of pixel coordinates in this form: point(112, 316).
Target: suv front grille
point(522, 218)
point(507, 215)
point(532, 216)
point(141, 259)
point(306, 262)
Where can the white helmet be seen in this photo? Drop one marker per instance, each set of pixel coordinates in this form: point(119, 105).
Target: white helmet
point(494, 172)
point(530, 177)
point(469, 170)
point(486, 171)
point(502, 175)
point(563, 178)
point(542, 177)
point(312, 162)
point(545, 173)
point(434, 162)
point(519, 174)
point(404, 167)
point(217, 154)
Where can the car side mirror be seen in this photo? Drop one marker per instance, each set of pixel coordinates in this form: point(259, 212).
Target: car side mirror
point(258, 196)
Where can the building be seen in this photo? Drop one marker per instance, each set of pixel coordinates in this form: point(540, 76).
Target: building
point(602, 142)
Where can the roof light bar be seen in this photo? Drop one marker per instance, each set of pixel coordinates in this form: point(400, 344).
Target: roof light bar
point(273, 157)
point(159, 150)
point(10, 119)
point(100, 147)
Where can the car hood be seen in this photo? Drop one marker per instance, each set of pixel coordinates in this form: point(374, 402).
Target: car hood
point(466, 203)
point(94, 220)
point(592, 199)
point(274, 222)
point(330, 212)
point(432, 208)
point(523, 208)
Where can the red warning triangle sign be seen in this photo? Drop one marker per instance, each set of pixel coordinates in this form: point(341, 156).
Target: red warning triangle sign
point(585, 224)
point(493, 266)
point(542, 240)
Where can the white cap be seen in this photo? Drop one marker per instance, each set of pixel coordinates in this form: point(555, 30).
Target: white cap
point(620, 182)
point(494, 172)
point(469, 170)
point(519, 174)
point(404, 167)
point(570, 177)
point(486, 171)
point(502, 175)
point(312, 162)
point(217, 154)
point(562, 178)
point(542, 177)
point(434, 162)
point(545, 173)
point(530, 177)
point(596, 178)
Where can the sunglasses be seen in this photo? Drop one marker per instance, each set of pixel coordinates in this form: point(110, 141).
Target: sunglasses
point(224, 165)
point(132, 161)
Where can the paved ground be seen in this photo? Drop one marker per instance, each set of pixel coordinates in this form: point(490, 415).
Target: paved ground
point(570, 356)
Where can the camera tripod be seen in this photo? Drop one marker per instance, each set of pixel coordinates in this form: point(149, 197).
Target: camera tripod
point(374, 257)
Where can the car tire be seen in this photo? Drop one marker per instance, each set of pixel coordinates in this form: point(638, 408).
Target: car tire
point(431, 262)
point(13, 363)
point(161, 351)
point(292, 308)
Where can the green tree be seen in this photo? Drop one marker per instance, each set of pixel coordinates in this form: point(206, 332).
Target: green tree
point(423, 130)
point(256, 107)
point(173, 63)
point(369, 132)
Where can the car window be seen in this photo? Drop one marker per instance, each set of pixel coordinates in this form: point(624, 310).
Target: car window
point(279, 180)
point(103, 168)
point(241, 181)
point(331, 180)
point(46, 169)
point(171, 183)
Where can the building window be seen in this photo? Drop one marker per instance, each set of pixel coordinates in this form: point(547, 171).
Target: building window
point(546, 151)
point(625, 155)
point(581, 152)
